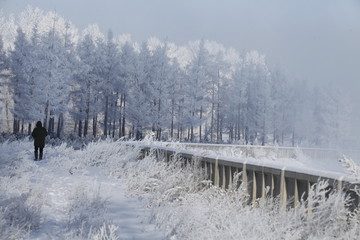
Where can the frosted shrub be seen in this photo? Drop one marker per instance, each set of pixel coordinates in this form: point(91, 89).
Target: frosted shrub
point(87, 211)
point(10, 232)
point(105, 232)
point(169, 179)
point(326, 212)
point(19, 214)
point(351, 168)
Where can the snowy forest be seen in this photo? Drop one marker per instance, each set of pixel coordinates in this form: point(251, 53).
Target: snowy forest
point(85, 83)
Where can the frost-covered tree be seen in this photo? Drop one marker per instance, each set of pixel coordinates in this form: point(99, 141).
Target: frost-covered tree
point(84, 92)
point(3, 58)
point(176, 99)
point(299, 114)
point(57, 75)
point(237, 104)
point(3, 82)
point(128, 63)
point(279, 100)
point(21, 82)
point(159, 89)
point(139, 100)
point(330, 116)
point(196, 90)
point(258, 96)
point(107, 70)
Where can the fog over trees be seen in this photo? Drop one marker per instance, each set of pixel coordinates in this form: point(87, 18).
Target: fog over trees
point(88, 84)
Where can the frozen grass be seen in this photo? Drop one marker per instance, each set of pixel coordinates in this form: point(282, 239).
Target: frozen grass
point(87, 211)
point(20, 204)
point(187, 207)
point(183, 204)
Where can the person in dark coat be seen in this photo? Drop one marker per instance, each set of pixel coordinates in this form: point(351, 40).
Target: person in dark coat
point(39, 133)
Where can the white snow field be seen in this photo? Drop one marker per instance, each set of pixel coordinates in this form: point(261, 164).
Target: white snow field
point(104, 192)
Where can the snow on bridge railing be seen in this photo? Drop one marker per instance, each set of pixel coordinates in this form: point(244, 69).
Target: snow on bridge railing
point(280, 152)
point(260, 179)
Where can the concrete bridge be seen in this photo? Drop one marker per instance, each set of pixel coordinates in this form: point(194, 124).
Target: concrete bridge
point(261, 180)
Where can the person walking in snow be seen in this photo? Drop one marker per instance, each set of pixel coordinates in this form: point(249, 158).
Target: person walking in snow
point(39, 133)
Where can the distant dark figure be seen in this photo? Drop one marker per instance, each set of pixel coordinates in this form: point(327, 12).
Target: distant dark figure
point(39, 133)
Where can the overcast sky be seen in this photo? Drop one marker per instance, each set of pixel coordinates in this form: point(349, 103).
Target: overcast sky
point(316, 40)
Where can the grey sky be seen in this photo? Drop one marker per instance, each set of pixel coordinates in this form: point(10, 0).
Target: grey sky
point(316, 40)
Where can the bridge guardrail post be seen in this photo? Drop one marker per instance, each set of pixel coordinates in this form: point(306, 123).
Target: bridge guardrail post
point(283, 193)
point(296, 194)
point(309, 199)
point(254, 186)
point(244, 179)
point(223, 177)
point(263, 190)
point(216, 180)
point(230, 176)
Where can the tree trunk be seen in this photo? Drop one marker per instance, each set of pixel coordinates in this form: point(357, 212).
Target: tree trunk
point(46, 113)
point(86, 126)
point(86, 122)
point(158, 124)
point(221, 128)
point(80, 128)
point(22, 126)
point(179, 122)
point(60, 125)
point(192, 134)
point(218, 123)
point(200, 133)
point(238, 122)
point(109, 127)
point(29, 129)
point(75, 126)
point(123, 118)
point(14, 126)
point(120, 115)
point(87, 111)
point(172, 118)
point(246, 135)
point(7, 113)
point(106, 116)
point(212, 113)
point(94, 126)
point(51, 124)
point(114, 116)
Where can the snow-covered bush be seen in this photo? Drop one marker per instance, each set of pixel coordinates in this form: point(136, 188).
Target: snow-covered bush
point(87, 211)
point(105, 232)
point(21, 211)
point(351, 168)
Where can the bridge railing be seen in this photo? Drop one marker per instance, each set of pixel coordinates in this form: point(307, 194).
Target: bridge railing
point(280, 152)
point(261, 181)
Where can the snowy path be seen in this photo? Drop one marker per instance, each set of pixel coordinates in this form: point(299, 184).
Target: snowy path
point(124, 212)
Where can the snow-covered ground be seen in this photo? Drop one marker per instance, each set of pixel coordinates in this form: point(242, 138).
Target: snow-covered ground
point(63, 197)
point(104, 192)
